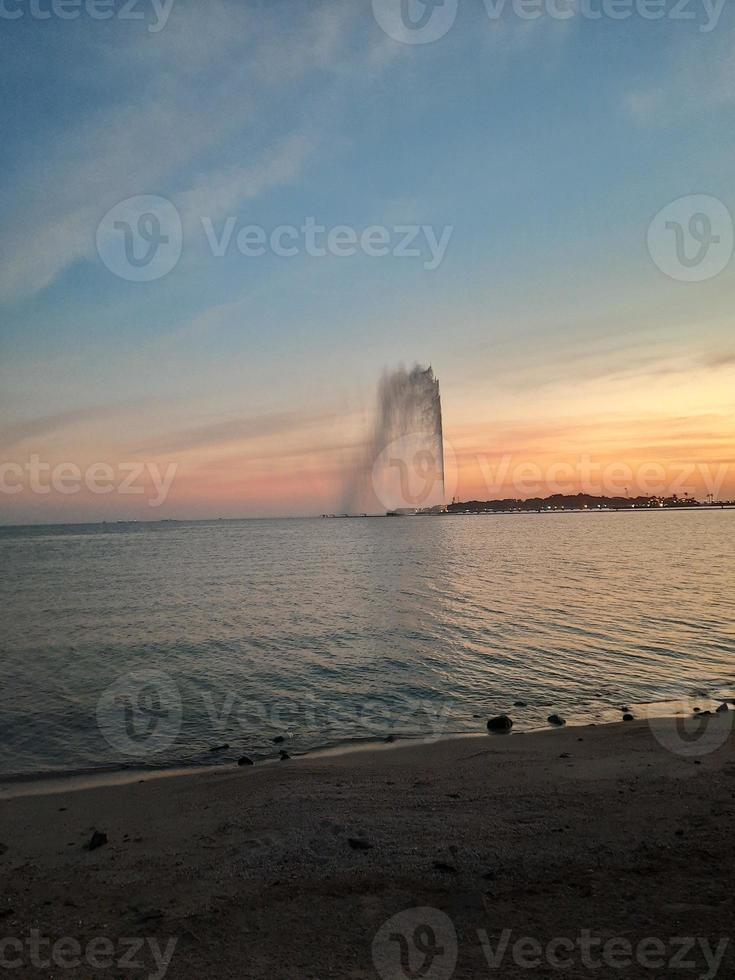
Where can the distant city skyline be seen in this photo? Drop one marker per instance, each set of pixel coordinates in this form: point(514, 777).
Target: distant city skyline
point(500, 203)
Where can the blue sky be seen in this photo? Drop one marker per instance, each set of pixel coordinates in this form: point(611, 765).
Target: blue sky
point(548, 147)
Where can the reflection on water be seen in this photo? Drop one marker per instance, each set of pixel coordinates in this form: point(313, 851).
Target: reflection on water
point(326, 631)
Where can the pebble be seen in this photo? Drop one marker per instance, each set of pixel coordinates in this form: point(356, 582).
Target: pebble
point(98, 839)
point(245, 760)
point(443, 866)
point(556, 720)
point(501, 724)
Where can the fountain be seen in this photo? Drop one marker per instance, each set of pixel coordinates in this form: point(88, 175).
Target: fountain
point(403, 460)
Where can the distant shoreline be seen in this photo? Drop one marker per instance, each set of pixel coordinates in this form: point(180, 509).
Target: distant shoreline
point(730, 505)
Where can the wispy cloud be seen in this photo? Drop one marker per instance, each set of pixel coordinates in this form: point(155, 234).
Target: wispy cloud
point(211, 81)
point(238, 429)
point(693, 80)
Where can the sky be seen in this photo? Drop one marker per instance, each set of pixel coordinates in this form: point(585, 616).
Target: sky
point(221, 223)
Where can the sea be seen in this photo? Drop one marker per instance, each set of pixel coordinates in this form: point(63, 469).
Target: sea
point(154, 646)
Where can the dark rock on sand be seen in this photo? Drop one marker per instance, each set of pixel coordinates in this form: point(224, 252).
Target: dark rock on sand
point(97, 839)
point(245, 760)
point(278, 739)
point(500, 724)
point(723, 708)
point(389, 738)
point(359, 843)
point(443, 866)
point(520, 704)
point(219, 748)
point(284, 755)
point(556, 720)
point(628, 716)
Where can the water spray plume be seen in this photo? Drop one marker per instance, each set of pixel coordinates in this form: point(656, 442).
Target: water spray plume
point(403, 461)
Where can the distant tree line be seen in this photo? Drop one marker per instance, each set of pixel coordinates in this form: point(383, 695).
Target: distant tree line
point(578, 501)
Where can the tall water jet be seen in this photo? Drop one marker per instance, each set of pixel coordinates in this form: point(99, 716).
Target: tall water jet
point(403, 462)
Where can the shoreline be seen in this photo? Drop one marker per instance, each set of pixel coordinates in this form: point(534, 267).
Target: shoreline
point(543, 833)
point(15, 785)
point(700, 508)
point(45, 782)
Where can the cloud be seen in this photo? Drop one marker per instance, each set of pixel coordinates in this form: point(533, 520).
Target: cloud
point(49, 425)
point(238, 429)
point(184, 107)
point(695, 79)
point(719, 359)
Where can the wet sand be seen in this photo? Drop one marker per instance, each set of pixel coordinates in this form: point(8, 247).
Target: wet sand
point(290, 870)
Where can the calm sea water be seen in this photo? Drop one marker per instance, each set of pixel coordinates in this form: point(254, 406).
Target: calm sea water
point(326, 631)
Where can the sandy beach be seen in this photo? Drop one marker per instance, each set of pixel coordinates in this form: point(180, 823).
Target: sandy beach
point(291, 869)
